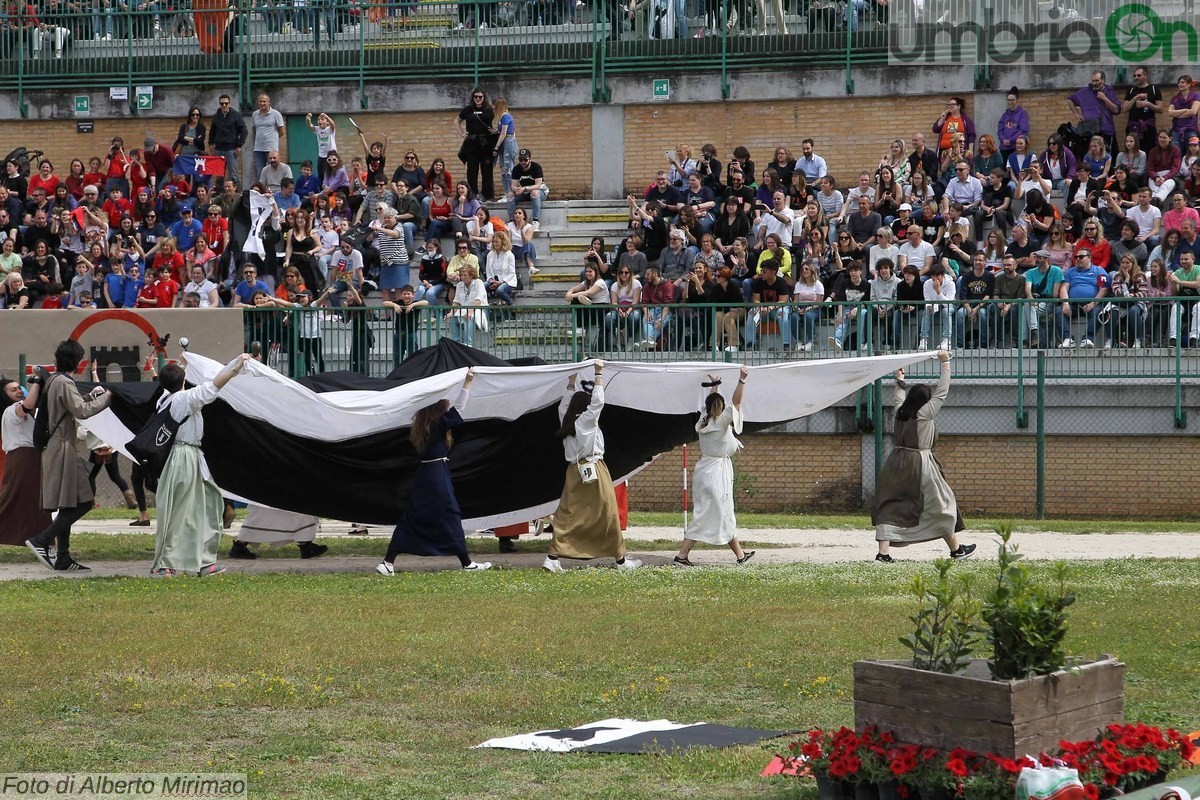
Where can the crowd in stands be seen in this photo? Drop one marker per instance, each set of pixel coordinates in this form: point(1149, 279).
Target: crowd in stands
point(945, 235)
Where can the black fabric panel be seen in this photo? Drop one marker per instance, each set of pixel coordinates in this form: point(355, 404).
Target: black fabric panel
point(683, 738)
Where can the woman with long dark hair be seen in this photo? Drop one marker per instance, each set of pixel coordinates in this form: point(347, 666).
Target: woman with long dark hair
point(21, 515)
point(586, 523)
point(913, 501)
point(713, 520)
point(432, 521)
point(474, 123)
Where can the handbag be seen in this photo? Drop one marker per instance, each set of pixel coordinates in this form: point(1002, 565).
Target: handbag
point(1049, 783)
point(589, 472)
point(152, 444)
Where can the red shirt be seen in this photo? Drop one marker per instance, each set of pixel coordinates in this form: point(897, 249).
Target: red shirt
point(116, 165)
point(1100, 251)
point(91, 179)
point(167, 291)
point(214, 231)
point(149, 297)
point(49, 184)
point(174, 261)
point(116, 210)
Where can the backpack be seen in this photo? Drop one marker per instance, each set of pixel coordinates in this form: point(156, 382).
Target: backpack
point(41, 420)
point(152, 444)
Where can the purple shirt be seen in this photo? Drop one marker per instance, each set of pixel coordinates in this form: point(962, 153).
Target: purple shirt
point(1014, 122)
point(1092, 108)
point(1184, 123)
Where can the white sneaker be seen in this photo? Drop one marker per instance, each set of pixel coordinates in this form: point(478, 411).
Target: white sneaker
point(1087, 343)
point(483, 26)
point(808, 347)
point(385, 568)
point(945, 345)
point(648, 343)
point(552, 565)
point(533, 271)
point(834, 344)
point(581, 332)
point(629, 563)
point(1137, 344)
point(731, 348)
point(1068, 342)
point(1108, 344)
point(537, 226)
point(478, 566)
point(460, 27)
point(923, 344)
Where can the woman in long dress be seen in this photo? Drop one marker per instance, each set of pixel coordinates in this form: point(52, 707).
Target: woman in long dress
point(586, 524)
point(190, 506)
point(713, 520)
point(913, 501)
point(432, 521)
point(21, 515)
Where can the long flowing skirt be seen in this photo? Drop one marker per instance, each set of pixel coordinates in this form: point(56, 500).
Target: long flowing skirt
point(432, 522)
point(189, 513)
point(913, 501)
point(272, 526)
point(713, 520)
point(21, 516)
point(586, 523)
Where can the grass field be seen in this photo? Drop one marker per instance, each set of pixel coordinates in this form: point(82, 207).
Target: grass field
point(351, 686)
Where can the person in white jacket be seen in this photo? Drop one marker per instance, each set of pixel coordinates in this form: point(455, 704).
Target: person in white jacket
point(939, 295)
point(501, 268)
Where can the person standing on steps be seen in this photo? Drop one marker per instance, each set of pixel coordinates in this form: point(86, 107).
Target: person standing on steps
point(190, 506)
point(474, 125)
point(432, 521)
point(65, 486)
point(586, 524)
point(713, 520)
point(913, 501)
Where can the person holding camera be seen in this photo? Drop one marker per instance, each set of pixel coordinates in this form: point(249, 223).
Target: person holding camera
point(65, 486)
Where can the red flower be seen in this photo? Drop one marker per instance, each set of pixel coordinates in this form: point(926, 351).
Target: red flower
point(957, 767)
point(1091, 792)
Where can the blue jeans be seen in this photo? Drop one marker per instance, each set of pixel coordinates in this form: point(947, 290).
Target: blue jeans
point(231, 164)
point(765, 313)
point(962, 321)
point(438, 228)
point(508, 159)
point(655, 322)
point(613, 322)
point(1126, 318)
point(1063, 320)
point(505, 293)
point(805, 323)
point(525, 253)
point(260, 162)
point(848, 317)
point(433, 295)
point(462, 330)
point(534, 198)
point(943, 312)
point(410, 233)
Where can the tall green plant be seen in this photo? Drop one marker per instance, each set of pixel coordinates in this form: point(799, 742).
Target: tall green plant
point(1026, 622)
point(945, 631)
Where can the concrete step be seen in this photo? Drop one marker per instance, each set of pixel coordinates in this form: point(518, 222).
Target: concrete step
point(616, 218)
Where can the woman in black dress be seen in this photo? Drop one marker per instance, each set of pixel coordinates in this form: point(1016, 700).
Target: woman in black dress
point(432, 521)
point(475, 124)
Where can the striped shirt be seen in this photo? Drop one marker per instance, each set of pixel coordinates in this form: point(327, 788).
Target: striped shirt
point(391, 248)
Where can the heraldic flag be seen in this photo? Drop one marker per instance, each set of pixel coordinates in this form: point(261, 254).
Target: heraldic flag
point(200, 165)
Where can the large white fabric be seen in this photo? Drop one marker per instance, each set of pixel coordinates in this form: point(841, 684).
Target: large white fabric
point(272, 526)
point(776, 393)
point(260, 215)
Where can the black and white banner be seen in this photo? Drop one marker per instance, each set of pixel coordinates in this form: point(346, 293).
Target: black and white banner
point(336, 446)
point(632, 736)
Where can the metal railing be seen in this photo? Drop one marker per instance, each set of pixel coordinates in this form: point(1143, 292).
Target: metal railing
point(128, 43)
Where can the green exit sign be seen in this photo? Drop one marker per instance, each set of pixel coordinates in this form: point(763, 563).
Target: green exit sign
point(144, 98)
point(83, 105)
point(662, 89)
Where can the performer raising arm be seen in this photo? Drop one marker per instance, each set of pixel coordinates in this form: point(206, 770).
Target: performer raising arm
point(712, 484)
point(432, 521)
point(913, 501)
point(586, 523)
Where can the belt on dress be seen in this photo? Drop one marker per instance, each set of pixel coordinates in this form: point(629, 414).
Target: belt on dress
point(190, 444)
point(435, 460)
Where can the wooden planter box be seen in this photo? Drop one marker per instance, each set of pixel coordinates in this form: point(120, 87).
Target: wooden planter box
point(969, 709)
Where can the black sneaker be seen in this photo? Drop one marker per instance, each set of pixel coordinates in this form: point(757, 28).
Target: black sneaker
point(963, 551)
point(508, 544)
point(42, 552)
point(684, 562)
point(70, 565)
point(239, 550)
point(884, 558)
point(312, 550)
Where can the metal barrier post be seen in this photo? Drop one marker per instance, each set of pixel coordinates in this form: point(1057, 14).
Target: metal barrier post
point(1022, 415)
point(22, 364)
point(1182, 334)
point(1041, 435)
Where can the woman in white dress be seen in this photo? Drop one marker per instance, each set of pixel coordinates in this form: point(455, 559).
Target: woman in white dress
point(713, 521)
point(913, 501)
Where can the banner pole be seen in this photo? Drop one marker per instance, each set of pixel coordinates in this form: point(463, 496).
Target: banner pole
point(685, 489)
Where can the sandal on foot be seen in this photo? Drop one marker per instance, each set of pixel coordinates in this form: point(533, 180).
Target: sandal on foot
point(746, 556)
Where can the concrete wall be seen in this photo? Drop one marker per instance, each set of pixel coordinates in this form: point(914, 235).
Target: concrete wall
point(584, 147)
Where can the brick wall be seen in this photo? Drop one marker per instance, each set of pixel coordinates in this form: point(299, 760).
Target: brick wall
point(802, 473)
point(560, 139)
point(850, 133)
